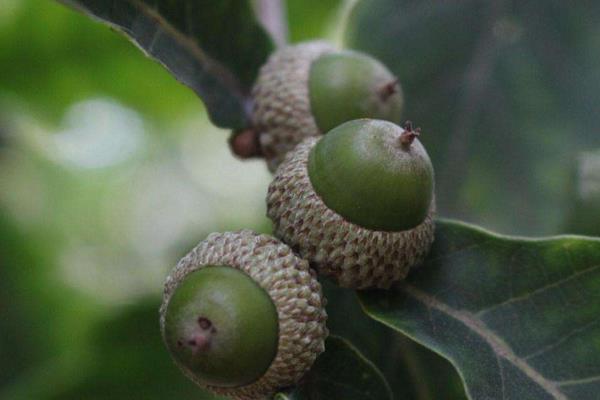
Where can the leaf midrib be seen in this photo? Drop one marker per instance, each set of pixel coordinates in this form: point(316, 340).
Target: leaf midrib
point(225, 76)
point(222, 73)
point(498, 345)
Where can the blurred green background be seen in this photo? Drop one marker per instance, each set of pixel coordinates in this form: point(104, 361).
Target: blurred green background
point(110, 172)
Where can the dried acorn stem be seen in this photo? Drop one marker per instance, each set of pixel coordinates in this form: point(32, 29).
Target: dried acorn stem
point(410, 134)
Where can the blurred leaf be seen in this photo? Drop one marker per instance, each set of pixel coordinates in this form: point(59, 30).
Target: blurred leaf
point(340, 373)
point(29, 332)
point(412, 371)
point(584, 216)
point(52, 57)
point(517, 317)
point(214, 48)
point(3, 129)
point(127, 360)
point(15, 344)
point(310, 19)
point(506, 94)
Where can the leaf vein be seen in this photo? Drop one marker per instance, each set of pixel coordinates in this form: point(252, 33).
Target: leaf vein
point(561, 339)
point(221, 73)
point(501, 369)
point(538, 290)
point(497, 344)
point(581, 381)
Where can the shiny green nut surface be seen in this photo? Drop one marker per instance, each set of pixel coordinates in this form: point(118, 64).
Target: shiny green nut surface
point(364, 172)
point(347, 85)
point(222, 326)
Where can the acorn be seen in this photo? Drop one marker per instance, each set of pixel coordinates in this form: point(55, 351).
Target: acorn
point(307, 89)
point(242, 315)
point(358, 203)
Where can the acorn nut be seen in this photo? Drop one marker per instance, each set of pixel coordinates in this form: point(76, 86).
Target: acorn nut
point(242, 315)
point(358, 203)
point(307, 89)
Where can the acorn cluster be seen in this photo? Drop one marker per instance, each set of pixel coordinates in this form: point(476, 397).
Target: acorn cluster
point(352, 199)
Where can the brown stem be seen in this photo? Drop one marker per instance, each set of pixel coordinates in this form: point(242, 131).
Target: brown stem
point(245, 144)
point(410, 134)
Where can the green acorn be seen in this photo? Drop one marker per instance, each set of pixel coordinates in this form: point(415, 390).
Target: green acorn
point(307, 89)
point(242, 315)
point(357, 203)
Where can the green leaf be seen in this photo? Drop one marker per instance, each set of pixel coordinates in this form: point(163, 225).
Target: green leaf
point(310, 20)
point(412, 371)
point(215, 48)
point(340, 373)
point(125, 359)
point(69, 58)
point(519, 318)
point(506, 94)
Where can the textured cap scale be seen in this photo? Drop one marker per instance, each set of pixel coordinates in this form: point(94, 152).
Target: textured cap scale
point(292, 286)
point(281, 110)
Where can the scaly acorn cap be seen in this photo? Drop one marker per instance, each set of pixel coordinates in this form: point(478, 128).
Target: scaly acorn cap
point(354, 256)
point(213, 278)
point(304, 90)
point(281, 109)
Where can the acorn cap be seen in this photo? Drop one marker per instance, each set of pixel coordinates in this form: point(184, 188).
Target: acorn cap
point(281, 109)
point(353, 256)
point(374, 174)
point(287, 284)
